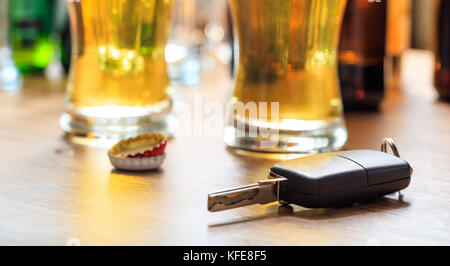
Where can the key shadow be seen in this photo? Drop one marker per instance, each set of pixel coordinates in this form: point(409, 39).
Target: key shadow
point(373, 206)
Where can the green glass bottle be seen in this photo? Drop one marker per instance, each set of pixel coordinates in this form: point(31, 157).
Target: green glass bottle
point(31, 33)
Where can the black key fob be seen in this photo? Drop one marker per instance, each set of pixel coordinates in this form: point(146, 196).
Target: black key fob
point(341, 178)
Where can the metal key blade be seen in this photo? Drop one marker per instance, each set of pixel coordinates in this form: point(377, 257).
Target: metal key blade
point(262, 193)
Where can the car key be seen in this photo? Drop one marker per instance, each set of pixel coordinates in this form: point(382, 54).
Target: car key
point(323, 181)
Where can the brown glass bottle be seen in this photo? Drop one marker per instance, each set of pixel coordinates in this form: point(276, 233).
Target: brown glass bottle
point(442, 76)
point(361, 54)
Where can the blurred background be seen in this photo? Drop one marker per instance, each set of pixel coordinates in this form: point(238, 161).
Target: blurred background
point(35, 40)
point(38, 33)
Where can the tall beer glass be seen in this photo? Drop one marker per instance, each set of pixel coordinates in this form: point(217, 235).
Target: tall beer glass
point(287, 80)
point(118, 85)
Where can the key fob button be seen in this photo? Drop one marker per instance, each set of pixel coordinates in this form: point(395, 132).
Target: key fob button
point(320, 174)
point(380, 167)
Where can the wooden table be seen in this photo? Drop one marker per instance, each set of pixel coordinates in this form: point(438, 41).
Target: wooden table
point(53, 192)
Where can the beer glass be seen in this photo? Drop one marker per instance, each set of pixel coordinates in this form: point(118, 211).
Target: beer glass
point(287, 97)
point(118, 86)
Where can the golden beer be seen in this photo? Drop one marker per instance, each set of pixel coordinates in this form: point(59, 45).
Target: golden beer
point(288, 55)
point(118, 85)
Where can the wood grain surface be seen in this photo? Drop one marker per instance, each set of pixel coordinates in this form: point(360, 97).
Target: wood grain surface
point(54, 192)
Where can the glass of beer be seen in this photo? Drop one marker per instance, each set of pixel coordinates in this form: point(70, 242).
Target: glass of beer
point(287, 96)
point(118, 85)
